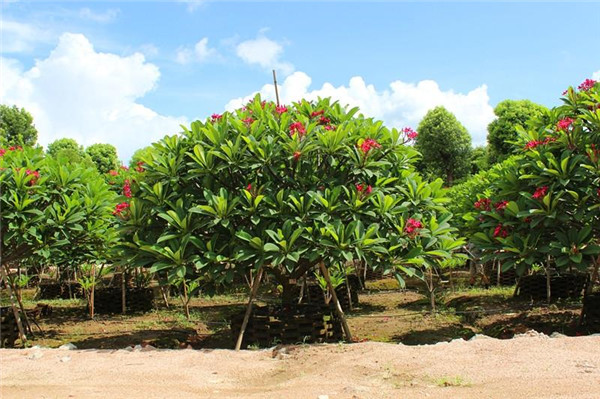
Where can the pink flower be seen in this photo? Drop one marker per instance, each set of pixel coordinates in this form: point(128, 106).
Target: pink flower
point(587, 84)
point(280, 109)
point(2, 152)
point(324, 120)
point(297, 155)
point(410, 134)
point(532, 144)
point(297, 127)
point(113, 173)
point(483, 204)
point(368, 144)
point(248, 121)
point(140, 167)
point(120, 208)
point(249, 187)
point(369, 189)
point(564, 124)
point(215, 117)
point(127, 189)
point(317, 113)
point(36, 176)
point(329, 127)
point(540, 192)
point(500, 231)
point(359, 187)
point(411, 227)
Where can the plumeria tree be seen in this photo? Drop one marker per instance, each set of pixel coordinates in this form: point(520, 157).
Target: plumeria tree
point(543, 208)
point(284, 189)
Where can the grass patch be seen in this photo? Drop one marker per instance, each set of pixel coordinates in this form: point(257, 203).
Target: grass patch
point(454, 381)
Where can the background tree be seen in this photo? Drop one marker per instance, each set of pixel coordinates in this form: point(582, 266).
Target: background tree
point(502, 131)
point(69, 151)
point(104, 156)
point(16, 127)
point(445, 146)
point(479, 160)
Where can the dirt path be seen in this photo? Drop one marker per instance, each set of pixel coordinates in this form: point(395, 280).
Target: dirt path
point(526, 367)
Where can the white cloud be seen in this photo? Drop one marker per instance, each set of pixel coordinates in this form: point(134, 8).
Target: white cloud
point(402, 104)
point(200, 53)
point(89, 96)
point(596, 75)
point(149, 50)
point(101, 17)
point(264, 52)
point(18, 37)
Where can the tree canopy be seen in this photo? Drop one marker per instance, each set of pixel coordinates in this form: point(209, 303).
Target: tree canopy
point(104, 157)
point(16, 127)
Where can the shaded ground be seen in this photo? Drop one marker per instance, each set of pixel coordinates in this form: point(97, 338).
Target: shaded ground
point(529, 367)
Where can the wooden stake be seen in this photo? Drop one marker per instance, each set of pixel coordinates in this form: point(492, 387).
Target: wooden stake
point(338, 307)
point(93, 276)
point(255, 285)
point(276, 90)
point(22, 335)
point(123, 297)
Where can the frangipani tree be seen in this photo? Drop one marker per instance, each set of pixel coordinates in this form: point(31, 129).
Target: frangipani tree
point(284, 189)
point(544, 207)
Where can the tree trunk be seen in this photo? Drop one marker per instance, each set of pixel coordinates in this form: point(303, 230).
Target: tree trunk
point(186, 302)
point(255, 284)
point(548, 293)
point(92, 290)
point(22, 335)
point(123, 294)
point(338, 307)
point(594, 277)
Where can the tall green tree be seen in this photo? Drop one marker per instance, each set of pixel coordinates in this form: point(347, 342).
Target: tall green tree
point(104, 156)
point(69, 151)
point(502, 131)
point(445, 146)
point(16, 127)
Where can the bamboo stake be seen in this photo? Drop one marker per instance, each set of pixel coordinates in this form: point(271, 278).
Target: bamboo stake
point(255, 285)
point(14, 307)
point(338, 307)
point(276, 90)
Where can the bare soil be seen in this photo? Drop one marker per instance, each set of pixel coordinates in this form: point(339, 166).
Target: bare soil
point(534, 366)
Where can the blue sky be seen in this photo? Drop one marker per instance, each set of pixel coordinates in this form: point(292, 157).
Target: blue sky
point(129, 72)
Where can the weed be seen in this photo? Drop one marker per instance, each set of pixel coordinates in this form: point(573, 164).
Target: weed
point(456, 381)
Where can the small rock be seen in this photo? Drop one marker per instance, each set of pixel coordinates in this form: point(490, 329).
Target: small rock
point(65, 359)
point(67, 347)
point(531, 333)
point(479, 336)
point(557, 335)
point(35, 355)
point(137, 348)
point(148, 348)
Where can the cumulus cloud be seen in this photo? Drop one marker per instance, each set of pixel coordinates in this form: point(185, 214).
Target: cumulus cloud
point(401, 104)
point(264, 52)
point(89, 96)
point(596, 75)
point(200, 53)
point(19, 37)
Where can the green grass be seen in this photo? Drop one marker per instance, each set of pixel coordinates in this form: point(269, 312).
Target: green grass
point(455, 381)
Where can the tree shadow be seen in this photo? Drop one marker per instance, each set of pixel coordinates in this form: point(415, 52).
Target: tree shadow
point(547, 322)
point(165, 339)
point(434, 335)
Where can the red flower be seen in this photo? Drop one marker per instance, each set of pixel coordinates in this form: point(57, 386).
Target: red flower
point(297, 127)
point(587, 84)
point(248, 120)
point(113, 172)
point(215, 117)
point(120, 208)
point(317, 113)
point(297, 155)
point(483, 204)
point(2, 152)
point(249, 187)
point(411, 227)
point(12, 148)
point(324, 120)
point(500, 205)
point(532, 144)
point(359, 187)
point(368, 144)
point(329, 127)
point(410, 134)
point(564, 124)
point(598, 192)
point(280, 109)
point(140, 167)
point(540, 192)
point(369, 189)
point(36, 176)
point(500, 231)
point(127, 189)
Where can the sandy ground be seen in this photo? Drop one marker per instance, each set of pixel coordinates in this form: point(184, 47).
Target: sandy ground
point(527, 367)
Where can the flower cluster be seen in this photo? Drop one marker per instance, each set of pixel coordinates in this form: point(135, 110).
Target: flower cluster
point(586, 85)
point(540, 192)
point(500, 205)
point(248, 120)
point(367, 144)
point(127, 189)
point(297, 127)
point(534, 143)
point(500, 231)
point(11, 148)
point(297, 155)
point(280, 109)
point(36, 176)
point(113, 172)
point(120, 208)
point(564, 124)
point(139, 167)
point(484, 204)
point(363, 189)
point(409, 133)
point(314, 114)
point(412, 226)
point(215, 117)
